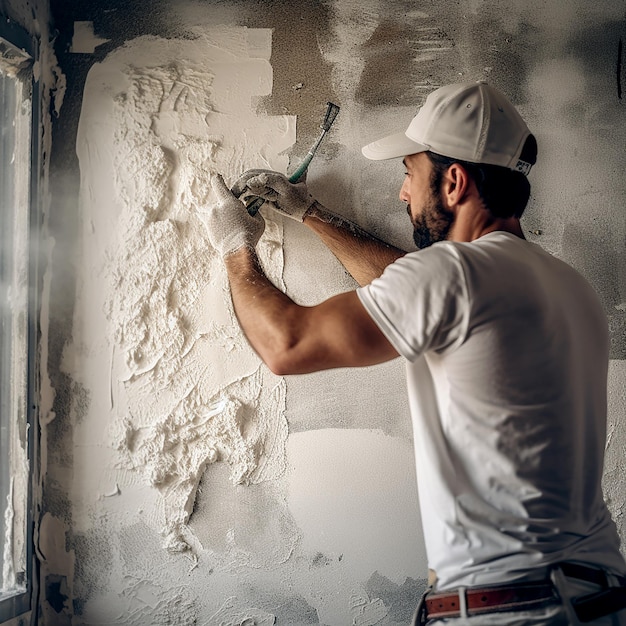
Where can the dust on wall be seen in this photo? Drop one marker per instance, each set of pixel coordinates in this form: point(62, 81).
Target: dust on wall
point(159, 361)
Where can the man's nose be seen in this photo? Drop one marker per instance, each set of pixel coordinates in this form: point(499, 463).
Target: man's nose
point(404, 191)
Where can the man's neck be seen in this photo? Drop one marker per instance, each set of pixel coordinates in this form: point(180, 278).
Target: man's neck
point(472, 223)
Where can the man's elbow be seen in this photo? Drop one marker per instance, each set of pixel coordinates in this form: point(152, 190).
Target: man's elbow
point(282, 362)
point(293, 356)
point(279, 367)
point(289, 348)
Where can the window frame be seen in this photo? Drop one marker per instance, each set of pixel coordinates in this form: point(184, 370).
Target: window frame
point(21, 602)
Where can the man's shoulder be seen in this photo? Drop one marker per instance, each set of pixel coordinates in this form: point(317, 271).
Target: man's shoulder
point(441, 258)
point(436, 269)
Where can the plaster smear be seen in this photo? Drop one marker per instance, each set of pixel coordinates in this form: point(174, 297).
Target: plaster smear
point(342, 478)
point(231, 613)
point(366, 612)
point(181, 385)
point(331, 473)
point(85, 40)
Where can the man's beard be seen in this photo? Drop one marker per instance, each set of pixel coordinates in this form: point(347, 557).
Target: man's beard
point(433, 224)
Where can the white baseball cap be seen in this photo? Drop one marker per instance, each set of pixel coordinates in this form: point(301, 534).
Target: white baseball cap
point(467, 121)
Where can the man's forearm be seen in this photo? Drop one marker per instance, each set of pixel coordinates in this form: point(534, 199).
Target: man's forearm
point(264, 312)
point(364, 256)
point(294, 339)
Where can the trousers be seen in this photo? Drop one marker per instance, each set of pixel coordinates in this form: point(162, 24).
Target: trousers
point(557, 614)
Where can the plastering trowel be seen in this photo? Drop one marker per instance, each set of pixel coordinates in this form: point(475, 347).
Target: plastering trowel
point(331, 113)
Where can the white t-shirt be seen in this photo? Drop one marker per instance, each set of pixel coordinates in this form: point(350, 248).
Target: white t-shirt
point(507, 351)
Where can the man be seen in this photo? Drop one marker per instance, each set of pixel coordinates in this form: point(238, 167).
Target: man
point(506, 350)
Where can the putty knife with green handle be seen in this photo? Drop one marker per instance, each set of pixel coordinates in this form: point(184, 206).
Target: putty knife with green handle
point(331, 113)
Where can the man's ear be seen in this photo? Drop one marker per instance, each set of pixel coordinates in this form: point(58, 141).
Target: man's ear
point(455, 185)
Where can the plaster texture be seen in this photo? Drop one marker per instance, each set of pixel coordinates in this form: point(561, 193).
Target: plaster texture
point(334, 537)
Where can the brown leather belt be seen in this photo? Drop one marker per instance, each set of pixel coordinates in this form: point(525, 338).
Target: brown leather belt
point(516, 597)
point(520, 596)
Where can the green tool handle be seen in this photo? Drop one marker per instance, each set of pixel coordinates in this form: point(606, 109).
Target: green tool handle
point(302, 168)
point(257, 203)
point(331, 114)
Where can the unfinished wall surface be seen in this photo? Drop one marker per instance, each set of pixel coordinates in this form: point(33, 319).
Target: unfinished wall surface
point(184, 483)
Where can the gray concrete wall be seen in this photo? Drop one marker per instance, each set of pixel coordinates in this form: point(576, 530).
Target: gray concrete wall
point(334, 538)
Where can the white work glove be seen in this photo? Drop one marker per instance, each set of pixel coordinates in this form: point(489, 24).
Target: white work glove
point(229, 225)
point(290, 199)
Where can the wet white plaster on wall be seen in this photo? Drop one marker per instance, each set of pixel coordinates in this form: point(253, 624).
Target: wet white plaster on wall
point(232, 612)
point(366, 612)
point(55, 557)
point(246, 526)
point(85, 40)
point(169, 385)
point(153, 318)
point(331, 473)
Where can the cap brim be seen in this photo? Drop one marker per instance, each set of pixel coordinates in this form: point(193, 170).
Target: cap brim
point(392, 147)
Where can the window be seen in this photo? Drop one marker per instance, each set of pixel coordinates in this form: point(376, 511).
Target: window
point(17, 318)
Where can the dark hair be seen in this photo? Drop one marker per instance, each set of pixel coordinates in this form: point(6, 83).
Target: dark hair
point(504, 192)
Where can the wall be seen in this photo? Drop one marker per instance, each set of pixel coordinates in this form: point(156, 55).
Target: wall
point(184, 482)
